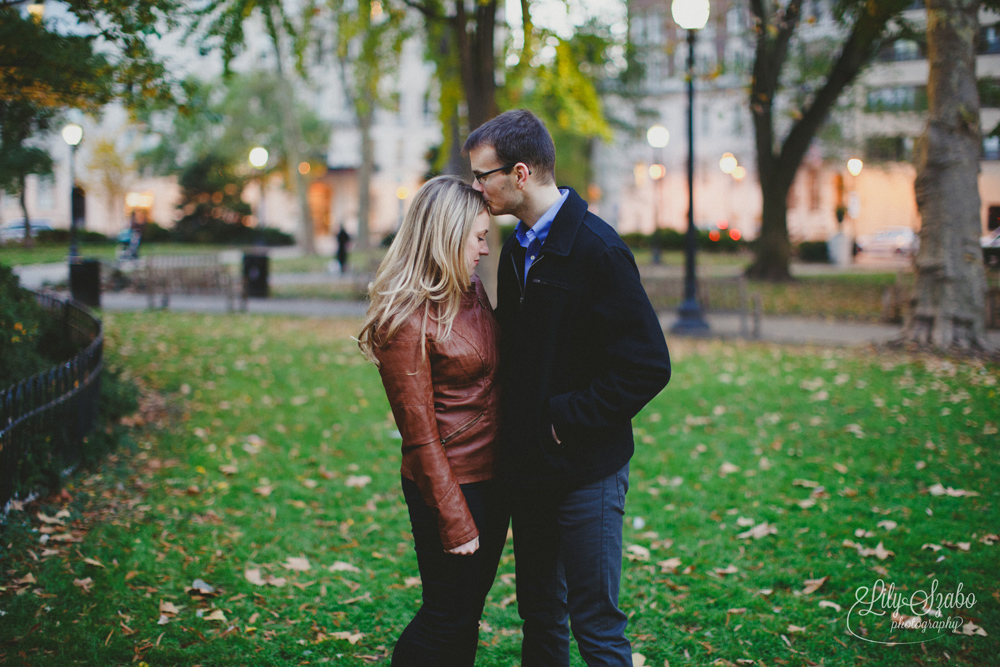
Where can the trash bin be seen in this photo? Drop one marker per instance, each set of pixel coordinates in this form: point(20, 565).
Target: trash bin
point(85, 281)
point(255, 278)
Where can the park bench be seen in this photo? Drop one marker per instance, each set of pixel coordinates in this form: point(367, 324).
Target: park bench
point(716, 294)
point(167, 275)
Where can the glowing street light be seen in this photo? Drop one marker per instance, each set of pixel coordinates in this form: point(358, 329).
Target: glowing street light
point(854, 166)
point(658, 136)
point(258, 157)
point(728, 163)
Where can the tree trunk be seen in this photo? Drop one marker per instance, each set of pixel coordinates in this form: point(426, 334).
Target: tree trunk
point(949, 302)
point(477, 61)
point(292, 139)
point(28, 241)
point(772, 249)
point(365, 175)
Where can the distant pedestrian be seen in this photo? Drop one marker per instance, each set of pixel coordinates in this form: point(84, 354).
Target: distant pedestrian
point(343, 246)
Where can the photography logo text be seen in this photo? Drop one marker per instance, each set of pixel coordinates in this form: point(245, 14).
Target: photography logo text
point(920, 616)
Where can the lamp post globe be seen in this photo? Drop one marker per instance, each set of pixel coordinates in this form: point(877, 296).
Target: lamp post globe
point(658, 136)
point(690, 14)
point(258, 157)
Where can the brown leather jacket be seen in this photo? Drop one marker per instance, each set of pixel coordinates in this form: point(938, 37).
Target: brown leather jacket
point(446, 405)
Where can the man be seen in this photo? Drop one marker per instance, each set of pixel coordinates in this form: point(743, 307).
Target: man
point(581, 353)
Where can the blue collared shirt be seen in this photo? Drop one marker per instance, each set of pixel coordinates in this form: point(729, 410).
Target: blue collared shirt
point(532, 239)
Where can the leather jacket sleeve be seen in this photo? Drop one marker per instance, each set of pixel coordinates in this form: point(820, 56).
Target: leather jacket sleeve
point(406, 375)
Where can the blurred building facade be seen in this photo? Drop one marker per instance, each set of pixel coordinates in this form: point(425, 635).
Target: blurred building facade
point(877, 121)
point(403, 136)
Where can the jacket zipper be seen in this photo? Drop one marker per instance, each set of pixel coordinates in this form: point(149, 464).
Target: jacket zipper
point(521, 283)
point(462, 429)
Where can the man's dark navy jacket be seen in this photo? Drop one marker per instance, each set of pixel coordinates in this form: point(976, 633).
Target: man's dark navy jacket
point(581, 350)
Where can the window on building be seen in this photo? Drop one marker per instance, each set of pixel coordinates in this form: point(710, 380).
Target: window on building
point(888, 149)
point(991, 148)
point(989, 93)
point(814, 191)
point(46, 192)
point(989, 39)
point(993, 218)
point(897, 98)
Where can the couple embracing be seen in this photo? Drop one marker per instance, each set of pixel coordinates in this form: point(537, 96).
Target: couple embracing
point(520, 415)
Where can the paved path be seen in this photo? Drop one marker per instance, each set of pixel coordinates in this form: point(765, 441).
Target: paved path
point(796, 330)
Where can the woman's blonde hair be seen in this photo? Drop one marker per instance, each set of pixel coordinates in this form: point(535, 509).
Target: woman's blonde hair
point(426, 263)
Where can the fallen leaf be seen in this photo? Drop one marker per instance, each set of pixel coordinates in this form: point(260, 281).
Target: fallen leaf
point(169, 608)
point(341, 566)
point(887, 524)
point(795, 628)
point(962, 546)
point(85, 584)
point(638, 660)
point(971, 628)
point(229, 469)
point(26, 579)
point(670, 565)
point(50, 520)
point(728, 468)
point(989, 540)
point(940, 490)
point(358, 481)
point(264, 490)
point(254, 577)
point(91, 561)
point(296, 564)
point(731, 569)
point(758, 531)
point(908, 622)
point(199, 587)
point(832, 605)
point(932, 547)
point(216, 615)
point(807, 483)
point(636, 552)
point(410, 582)
point(350, 637)
point(812, 585)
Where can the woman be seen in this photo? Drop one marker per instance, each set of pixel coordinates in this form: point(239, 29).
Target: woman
point(431, 331)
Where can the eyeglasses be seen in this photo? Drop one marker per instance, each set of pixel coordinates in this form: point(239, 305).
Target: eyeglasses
point(482, 177)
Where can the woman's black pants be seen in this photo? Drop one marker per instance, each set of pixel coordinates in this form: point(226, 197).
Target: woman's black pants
point(445, 631)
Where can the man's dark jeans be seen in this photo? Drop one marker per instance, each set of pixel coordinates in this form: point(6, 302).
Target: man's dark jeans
point(568, 558)
point(445, 631)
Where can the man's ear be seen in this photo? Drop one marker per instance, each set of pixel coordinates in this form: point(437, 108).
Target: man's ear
point(523, 172)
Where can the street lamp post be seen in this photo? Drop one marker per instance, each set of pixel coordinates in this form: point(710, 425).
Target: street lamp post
point(72, 134)
point(658, 137)
point(258, 160)
point(692, 15)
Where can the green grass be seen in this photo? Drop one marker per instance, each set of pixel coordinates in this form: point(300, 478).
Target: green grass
point(291, 404)
point(14, 255)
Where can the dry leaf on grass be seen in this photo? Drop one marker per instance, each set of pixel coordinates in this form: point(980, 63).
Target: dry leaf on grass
point(636, 552)
point(758, 531)
point(341, 566)
point(940, 490)
point(813, 585)
point(350, 637)
point(217, 615)
point(971, 628)
point(84, 584)
point(669, 565)
point(358, 481)
point(296, 564)
point(831, 605)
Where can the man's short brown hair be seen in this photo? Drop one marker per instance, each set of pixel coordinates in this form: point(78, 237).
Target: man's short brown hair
point(517, 136)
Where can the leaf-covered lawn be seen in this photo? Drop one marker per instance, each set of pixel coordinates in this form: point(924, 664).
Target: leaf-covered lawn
point(259, 520)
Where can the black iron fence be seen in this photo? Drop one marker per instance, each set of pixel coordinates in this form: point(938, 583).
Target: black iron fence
point(49, 414)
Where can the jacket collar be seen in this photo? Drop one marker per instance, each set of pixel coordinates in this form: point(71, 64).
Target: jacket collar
point(564, 228)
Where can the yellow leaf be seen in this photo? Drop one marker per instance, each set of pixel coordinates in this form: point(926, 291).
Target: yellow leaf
point(216, 615)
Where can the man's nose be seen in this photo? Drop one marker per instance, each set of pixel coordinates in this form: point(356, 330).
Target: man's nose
point(476, 185)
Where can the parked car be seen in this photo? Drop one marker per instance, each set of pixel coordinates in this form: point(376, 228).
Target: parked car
point(991, 248)
point(890, 241)
point(14, 230)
